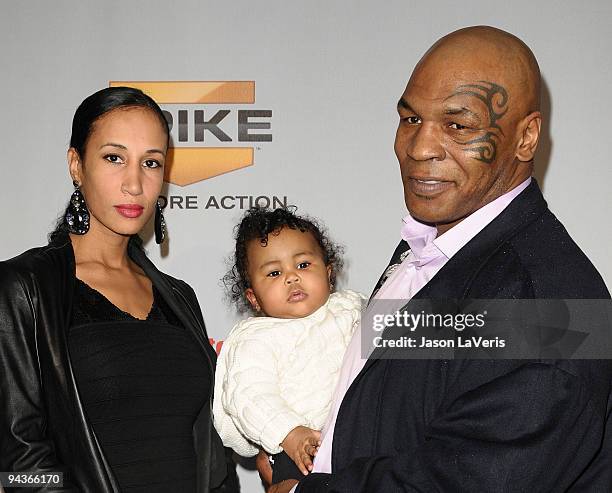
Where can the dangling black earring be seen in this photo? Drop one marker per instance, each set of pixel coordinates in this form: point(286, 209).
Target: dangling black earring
point(160, 224)
point(77, 214)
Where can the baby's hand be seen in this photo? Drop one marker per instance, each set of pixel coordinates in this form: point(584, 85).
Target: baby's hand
point(301, 444)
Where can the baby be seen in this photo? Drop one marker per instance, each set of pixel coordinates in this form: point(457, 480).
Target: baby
point(277, 371)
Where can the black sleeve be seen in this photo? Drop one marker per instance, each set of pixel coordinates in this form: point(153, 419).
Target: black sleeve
point(24, 444)
point(231, 483)
point(488, 440)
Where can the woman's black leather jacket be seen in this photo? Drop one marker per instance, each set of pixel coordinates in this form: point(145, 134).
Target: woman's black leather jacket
point(42, 424)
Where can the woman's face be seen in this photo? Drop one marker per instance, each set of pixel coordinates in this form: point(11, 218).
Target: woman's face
point(122, 171)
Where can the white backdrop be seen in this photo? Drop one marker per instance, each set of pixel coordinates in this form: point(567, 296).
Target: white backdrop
point(331, 73)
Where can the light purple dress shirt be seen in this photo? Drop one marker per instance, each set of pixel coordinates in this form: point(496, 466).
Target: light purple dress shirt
point(427, 256)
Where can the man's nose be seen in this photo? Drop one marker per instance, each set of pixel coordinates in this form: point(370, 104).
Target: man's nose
point(426, 143)
point(132, 180)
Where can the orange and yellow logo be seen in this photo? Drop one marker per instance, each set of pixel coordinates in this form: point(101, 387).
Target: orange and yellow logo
point(190, 158)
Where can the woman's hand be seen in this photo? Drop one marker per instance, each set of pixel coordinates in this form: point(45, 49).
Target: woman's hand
point(301, 444)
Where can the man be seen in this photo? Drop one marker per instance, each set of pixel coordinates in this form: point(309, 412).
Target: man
point(479, 228)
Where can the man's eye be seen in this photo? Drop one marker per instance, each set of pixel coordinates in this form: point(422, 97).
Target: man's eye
point(457, 126)
point(113, 158)
point(303, 265)
point(411, 120)
point(151, 163)
point(274, 273)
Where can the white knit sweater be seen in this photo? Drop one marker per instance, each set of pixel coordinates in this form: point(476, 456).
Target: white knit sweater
point(274, 374)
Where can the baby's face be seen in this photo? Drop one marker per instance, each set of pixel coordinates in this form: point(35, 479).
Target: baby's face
point(289, 278)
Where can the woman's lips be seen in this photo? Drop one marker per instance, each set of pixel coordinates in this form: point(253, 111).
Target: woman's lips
point(296, 296)
point(129, 210)
point(428, 186)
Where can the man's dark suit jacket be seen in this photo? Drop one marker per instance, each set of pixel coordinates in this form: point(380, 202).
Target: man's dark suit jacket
point(484, 425)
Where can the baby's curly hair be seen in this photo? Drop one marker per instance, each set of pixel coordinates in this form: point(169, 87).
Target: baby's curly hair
point(256, 224)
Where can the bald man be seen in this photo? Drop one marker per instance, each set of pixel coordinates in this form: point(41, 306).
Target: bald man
point(478, 228)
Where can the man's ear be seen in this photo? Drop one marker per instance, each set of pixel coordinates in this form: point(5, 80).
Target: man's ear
point(74, 165)
point(250, 295)
point(530, 136)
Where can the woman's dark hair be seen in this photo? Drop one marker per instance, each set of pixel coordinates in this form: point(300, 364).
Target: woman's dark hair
point(256, 224)
point(93, 108)
point(103, 101)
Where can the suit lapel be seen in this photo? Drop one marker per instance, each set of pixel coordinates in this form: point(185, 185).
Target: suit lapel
point(396, 259)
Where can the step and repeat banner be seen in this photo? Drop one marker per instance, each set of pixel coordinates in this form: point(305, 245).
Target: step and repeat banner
point(284, 103)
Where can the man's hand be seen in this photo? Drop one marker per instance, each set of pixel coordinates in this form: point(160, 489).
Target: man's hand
point(264, 468)
point(283, 486)
point(301, 444)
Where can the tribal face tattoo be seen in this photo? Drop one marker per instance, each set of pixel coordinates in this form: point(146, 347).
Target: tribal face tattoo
point(495, 98)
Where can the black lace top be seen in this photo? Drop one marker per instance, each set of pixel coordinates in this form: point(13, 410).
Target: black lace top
point(142, 384)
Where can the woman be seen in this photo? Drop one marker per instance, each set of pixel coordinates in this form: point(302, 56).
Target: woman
point(106, 370)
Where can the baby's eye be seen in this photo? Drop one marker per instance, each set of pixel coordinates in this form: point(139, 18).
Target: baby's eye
point(303, 265)
point(113, 158)
point(152, 164)
point(274, 273)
